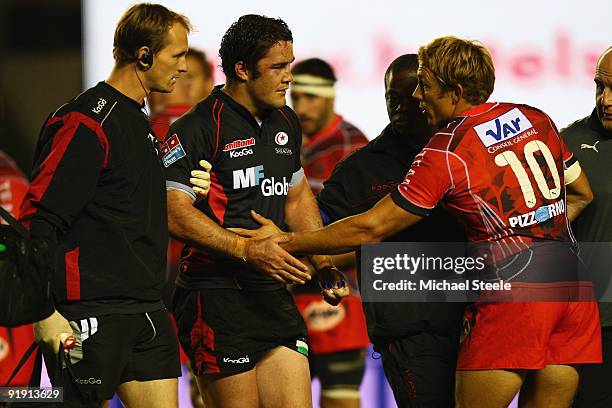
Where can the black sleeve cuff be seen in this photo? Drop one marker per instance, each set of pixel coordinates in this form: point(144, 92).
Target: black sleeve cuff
point(402, 202)
point(571, 161)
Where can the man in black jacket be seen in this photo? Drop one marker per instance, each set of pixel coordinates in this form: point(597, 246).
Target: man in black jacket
point(97, 196)
point(418, 342)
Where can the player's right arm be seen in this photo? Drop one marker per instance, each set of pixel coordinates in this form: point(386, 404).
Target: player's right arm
point(190, 225)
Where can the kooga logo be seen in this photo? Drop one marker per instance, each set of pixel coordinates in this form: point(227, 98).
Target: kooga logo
point(241, 360)
point(254, 176)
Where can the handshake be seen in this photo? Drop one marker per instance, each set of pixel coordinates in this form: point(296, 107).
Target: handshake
point(262, 248)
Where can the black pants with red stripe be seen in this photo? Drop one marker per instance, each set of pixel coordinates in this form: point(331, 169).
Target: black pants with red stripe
point(420, 369)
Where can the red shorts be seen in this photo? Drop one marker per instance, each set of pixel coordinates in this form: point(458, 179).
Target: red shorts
point(530, 335)
point(333, 328)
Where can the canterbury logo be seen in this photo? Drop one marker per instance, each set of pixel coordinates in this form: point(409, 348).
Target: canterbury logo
point(588, 146)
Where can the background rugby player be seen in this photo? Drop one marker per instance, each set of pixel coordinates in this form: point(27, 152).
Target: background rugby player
point(336, 334)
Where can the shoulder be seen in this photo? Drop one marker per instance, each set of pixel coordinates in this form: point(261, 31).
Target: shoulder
point(576, 129)
point(93, 105)
point(204, 115)
point(285, 113)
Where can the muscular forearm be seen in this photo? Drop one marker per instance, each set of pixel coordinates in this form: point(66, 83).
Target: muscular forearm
point(189, 225)
point(346, 235)
point(575, 205)
point(342, 236)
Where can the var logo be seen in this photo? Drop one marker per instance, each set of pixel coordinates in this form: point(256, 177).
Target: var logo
point(511, 123)
point(254, 176)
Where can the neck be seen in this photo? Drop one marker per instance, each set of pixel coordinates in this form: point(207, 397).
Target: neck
point(238, 92)
point(125, 80)
point(461, 107)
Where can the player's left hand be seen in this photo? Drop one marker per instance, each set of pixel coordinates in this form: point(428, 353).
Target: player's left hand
point(267, 229)
point(200, 179)
point(333, 285)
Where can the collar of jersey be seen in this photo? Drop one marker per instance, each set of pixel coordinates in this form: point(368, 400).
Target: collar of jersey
point(238, 108)
point(595, 124)
point(121, 96)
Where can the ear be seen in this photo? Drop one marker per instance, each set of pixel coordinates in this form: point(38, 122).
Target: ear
point(456, 93)
point(241, 70)
point(144, 58)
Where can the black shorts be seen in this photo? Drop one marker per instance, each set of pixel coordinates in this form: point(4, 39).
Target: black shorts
point(420, 369)
point(594, 389)
point(227, 331)
point(114, 349)
point(340, 373)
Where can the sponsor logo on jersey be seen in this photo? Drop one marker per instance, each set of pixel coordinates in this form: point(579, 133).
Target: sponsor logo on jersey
point(382, 187)
point(283, 150)
point(239, 153)
point(172, 150)
point(240, 360)
point(281, 138)
point(254, 176)
point(98, 108)
point(239, 144)
point(541, 214)
point(508, 125)
point(588, 146)
point(89, 381)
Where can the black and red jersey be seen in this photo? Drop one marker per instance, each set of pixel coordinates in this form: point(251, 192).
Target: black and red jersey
point(253, 166)
point(499, 168)
point(97, 182)
point(328, 147)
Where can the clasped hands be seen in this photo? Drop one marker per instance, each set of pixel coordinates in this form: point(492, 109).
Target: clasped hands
point(263, 249)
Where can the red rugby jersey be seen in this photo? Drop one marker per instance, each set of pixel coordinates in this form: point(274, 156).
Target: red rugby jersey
point(499, 167)
point(326, 148)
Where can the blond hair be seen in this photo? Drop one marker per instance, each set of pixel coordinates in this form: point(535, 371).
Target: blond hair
point(455, 61)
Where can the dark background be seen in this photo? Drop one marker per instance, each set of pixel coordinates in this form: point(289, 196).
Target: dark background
point(40, 68)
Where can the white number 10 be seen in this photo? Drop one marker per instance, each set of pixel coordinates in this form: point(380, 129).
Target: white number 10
point(510, 158)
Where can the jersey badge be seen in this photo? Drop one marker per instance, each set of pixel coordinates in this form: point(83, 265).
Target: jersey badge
point(172, 150)
point(281, 138)
point(511, 123)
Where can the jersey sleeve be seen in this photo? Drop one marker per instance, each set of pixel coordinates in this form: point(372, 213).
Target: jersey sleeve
point(187, 142)
point(294, 122)
point(425, 183)
point(571, 167)
point(66, 174)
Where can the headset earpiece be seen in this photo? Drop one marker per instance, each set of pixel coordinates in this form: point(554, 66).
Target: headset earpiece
point(146, 60)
